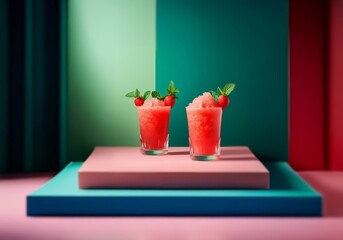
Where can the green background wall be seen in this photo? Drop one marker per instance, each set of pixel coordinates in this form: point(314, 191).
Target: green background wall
point(111, 47)
point(114, 46)
point(204, 44)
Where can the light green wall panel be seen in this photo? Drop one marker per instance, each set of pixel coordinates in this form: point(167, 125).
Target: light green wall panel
point(111, 51)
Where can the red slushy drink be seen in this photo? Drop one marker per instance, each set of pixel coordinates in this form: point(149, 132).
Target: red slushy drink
point(154, 122)
point(204, 117)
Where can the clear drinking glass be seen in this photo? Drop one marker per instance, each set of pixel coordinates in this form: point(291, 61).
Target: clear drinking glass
point(204, 126)
point(154, 124)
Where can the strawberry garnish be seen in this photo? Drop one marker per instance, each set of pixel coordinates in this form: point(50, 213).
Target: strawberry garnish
point(223, 101)
point(139, 100)
point(221, 96)
point(169, 99)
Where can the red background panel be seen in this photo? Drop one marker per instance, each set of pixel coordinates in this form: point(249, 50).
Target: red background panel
point(307, 52)
point(335, 85)
point(316, 84)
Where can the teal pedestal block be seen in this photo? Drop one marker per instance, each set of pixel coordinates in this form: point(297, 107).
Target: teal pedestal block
point(289, 195)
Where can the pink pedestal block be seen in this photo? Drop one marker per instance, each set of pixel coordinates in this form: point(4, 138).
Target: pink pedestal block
point(126, 167)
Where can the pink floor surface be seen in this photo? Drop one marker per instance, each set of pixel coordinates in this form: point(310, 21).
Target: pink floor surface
point(14, 224)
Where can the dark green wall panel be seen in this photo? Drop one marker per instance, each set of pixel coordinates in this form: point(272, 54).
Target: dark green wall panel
point(4, 111)
point(63, 127)
point(203, 44)
point(29, 85)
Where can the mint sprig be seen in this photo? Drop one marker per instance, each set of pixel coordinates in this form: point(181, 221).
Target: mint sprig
point(136, 94)
point(146, 95)
point(228, 88)
point(226, 91)
point(157, 95)
point(171, 91)
point(214, 95)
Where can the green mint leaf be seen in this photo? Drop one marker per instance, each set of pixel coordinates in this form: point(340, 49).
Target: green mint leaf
point(220, 92)
point(146, 95)
point(214, 95)
point(137, 92)
point(171, 86)
point(224, 89)
point(228, 88)
point(172, 90)
point(155, 94)
point(131, 94)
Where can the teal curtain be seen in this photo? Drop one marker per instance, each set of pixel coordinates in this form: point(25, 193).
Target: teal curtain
point(32, 85)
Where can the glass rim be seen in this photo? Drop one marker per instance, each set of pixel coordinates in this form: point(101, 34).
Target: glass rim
point(154, 107)
point(201, 108)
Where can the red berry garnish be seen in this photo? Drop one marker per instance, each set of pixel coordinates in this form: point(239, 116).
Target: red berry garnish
point(169, 101)
point(221, 96)
point(139, 101)
point(223, 101)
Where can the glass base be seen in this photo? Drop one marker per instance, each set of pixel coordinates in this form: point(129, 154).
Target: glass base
point(146, 147)
point(154, 152)
point(208, 157)
point(205, 157)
